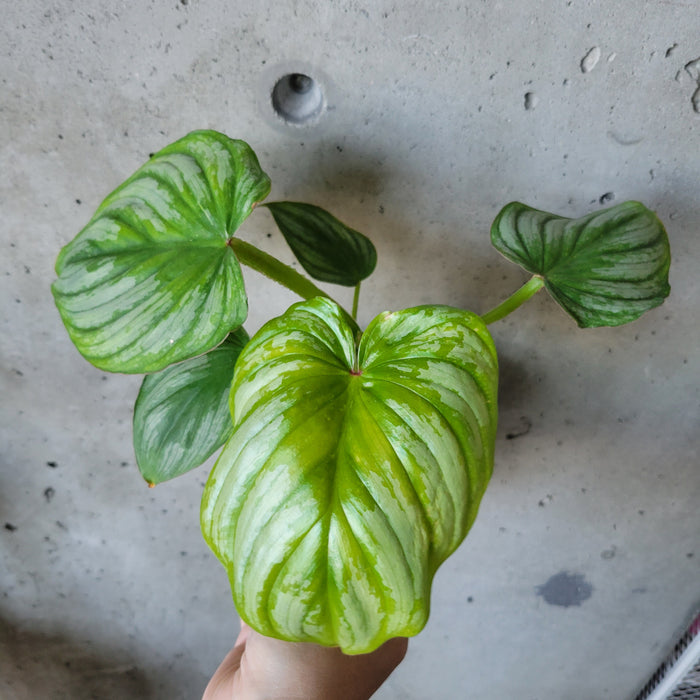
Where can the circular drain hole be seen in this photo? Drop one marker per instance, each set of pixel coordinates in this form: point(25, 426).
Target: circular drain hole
point(297, 98)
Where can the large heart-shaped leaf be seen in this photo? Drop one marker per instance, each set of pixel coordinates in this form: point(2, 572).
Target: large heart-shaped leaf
point(181, 415)
point(151, 280)
point(605, 269)
point(327, 249)
point(352, 473)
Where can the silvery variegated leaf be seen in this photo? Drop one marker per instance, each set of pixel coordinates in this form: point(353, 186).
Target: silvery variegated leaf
point(152, 280)
point(353, 471)
point(327, 249)
point(181, 415)
point(605, 269)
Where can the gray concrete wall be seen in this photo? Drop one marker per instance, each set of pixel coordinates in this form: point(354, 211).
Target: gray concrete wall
point(438, 114)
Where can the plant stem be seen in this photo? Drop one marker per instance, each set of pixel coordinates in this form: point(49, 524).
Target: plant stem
point(275, 269)
point(518, 298)
point(356, 301)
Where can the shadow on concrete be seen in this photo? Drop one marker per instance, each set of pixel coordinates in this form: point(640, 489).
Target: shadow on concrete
point(40, 666)
point(515, 382)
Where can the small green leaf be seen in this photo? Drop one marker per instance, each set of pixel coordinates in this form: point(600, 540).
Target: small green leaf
point(352, 473)
point(327, 249)
point(151, 280)
point(181, 415)
point(605, 269)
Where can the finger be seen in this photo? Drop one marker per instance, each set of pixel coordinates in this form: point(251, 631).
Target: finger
point(313, 671)
point(220, 687)
point(243, 634)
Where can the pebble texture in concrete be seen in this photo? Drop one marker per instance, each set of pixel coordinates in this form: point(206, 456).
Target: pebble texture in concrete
point(585, 559)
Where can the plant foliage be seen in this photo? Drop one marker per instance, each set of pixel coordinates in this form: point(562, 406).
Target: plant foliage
point(151, 280)
point(181, 415)
point(354, 462)
point(605, 269)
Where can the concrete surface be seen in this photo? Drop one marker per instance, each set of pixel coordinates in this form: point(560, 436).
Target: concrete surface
point(585, 560)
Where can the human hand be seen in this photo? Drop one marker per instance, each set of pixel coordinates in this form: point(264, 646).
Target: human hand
point(262, 668)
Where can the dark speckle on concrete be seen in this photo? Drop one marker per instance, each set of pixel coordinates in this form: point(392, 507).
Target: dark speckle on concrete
point(609, 553)
point(565, 589)
point(543, 502)
point(524, 429)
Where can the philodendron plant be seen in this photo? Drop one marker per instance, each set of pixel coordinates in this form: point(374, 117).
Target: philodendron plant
point(354, 460)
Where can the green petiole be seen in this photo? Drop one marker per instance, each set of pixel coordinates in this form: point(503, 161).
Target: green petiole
point(515, 300)
point(275, 269)
point(356, 301)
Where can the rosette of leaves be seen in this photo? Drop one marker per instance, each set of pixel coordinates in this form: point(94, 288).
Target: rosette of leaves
point(354, 463)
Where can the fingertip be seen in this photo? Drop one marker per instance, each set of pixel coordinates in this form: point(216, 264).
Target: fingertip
point(243, 634)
